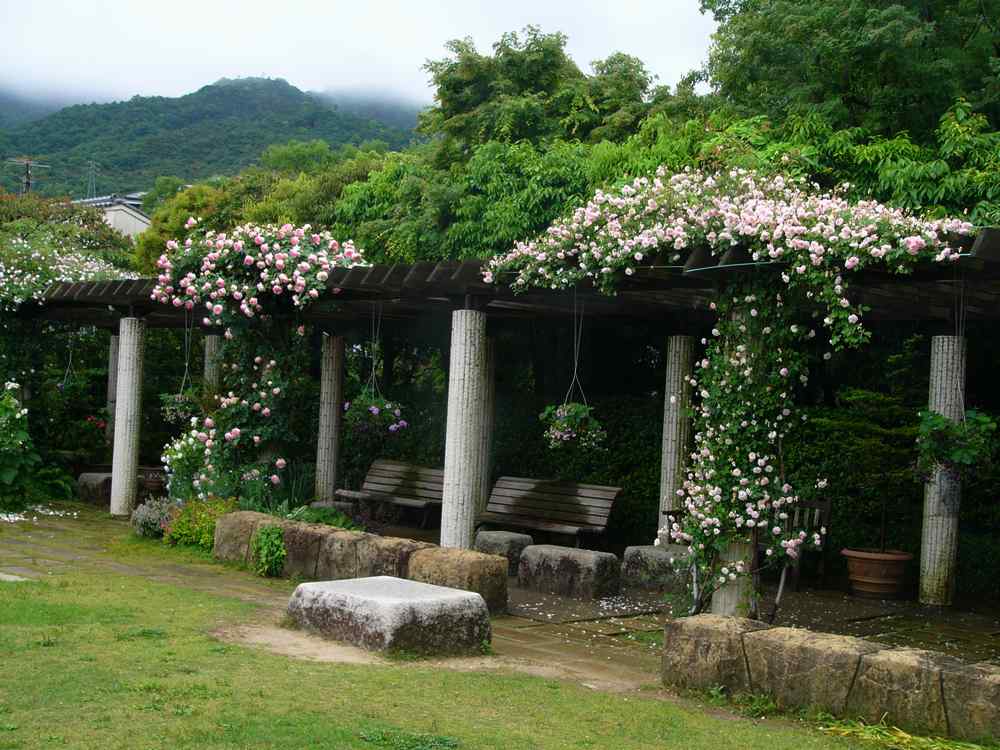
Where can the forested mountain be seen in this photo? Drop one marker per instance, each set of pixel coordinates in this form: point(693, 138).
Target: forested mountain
point(17, 108)
point(217, 130)
point(384, 108)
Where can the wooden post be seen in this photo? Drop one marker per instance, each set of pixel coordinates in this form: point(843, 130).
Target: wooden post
point(732, 598)
point(464, 463)
point(676, 421)
point(331, 415)
point(109, 430)
point(943, 493)
point(212, 365)
point(128, 408)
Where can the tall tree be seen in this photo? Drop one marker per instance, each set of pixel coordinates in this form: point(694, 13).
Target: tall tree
point(887, 66)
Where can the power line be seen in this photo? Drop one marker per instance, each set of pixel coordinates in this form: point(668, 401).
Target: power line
point(27, 163)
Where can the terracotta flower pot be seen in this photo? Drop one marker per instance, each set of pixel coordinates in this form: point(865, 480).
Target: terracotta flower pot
point(875, 574)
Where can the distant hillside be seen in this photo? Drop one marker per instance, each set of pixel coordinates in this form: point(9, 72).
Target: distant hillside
point(400, 113)
point(217, 130)
point(17, 108)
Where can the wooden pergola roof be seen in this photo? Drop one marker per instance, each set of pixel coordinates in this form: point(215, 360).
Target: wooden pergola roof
point(657, 293)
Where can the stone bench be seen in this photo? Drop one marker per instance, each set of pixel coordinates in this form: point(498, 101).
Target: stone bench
point(384, 613)
point(652, 567)
point(509, 544)
point(579, 573)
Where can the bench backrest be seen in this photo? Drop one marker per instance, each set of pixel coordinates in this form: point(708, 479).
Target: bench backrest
point(400, 479)
point(584, 505)
point(810, 516)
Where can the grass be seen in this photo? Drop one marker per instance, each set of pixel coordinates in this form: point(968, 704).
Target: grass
point(115, 660)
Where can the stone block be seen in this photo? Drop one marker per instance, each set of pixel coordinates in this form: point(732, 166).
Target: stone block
point(580, 573)
point(233, 532)
point(94, 488)
point(338, 555)
point(507, 544)
point(706, 651)
point(972, 699)
point(386, 555)
point(302, 543)
point(802, 668)
point(904, 686)
point(652, 567)
point(386, 613)
point(484, 574)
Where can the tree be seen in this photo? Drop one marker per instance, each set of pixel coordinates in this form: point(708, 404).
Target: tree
point(163, 188)
point(885, 66)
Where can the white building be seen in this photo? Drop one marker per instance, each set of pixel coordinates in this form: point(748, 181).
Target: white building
point(121, 212)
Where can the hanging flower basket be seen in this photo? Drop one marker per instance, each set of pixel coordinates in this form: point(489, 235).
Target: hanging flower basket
point(369, 413)
point(572, 424)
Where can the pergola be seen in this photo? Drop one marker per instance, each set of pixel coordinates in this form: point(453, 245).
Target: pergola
point(674, 298)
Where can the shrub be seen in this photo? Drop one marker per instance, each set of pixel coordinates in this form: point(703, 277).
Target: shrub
point(150, 518)
point(269, 551)
point(328, 516)
point(193, 522)
point(18, 458)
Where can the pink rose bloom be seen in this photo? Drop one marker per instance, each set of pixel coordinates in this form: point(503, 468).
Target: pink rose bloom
point(209, 422)
point(256, 439)
point(275, 479)
point(217, 309)
point(281, 463)
point(266, 412)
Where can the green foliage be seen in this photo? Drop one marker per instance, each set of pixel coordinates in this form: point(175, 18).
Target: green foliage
point(529, 89)
point(959, 446)
point(18, 458)
point(150, 518)
point(219, 129)
point(885, 67)
point(396, 739)
point(268, 551)
point(164, 187)
point(193, 522)
point(328, 516)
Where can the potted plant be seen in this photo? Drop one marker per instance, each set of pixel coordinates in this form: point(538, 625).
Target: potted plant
point(943, 444)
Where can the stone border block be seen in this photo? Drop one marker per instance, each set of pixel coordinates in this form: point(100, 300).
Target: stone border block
point(972, 699)
point(802, 668)
point(652, 567)
point(484, 574)
point(580, 573)
point(904, 686)
point(706, 651)
point(233, 532)
point(508, 544)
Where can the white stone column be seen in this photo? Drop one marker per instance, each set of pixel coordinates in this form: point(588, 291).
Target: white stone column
point(331, 415)
point(943, 493)
point(128, 407)
point(733, 598)
point(489, 415)
point(464, 463)
point(676, 421)
point(109, 430)
point(213, 342)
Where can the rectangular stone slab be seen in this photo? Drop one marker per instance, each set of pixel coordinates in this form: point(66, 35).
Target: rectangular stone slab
point(383, 613)
point(580, 573)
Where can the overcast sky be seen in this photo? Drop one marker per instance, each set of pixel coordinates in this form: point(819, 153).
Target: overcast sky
point(117, 49)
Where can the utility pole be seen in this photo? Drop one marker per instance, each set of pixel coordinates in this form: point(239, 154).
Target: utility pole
point(92, 179)
point(27, 163)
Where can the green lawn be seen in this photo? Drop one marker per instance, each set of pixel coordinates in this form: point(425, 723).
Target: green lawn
point(114, 661)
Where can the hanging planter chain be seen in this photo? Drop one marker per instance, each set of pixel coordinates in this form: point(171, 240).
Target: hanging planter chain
point(578, 312)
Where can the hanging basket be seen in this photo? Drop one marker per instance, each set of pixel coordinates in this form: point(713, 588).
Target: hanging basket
point(572, 424)
point(373, 414)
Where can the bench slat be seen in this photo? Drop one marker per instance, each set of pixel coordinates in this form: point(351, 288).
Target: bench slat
point(583, 519)
point(534, 523)
point(402, 491)
point(518, 495)
point(560, 488)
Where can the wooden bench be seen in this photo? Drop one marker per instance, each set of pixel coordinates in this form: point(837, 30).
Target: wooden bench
point(402, 484)
point(556, 507)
